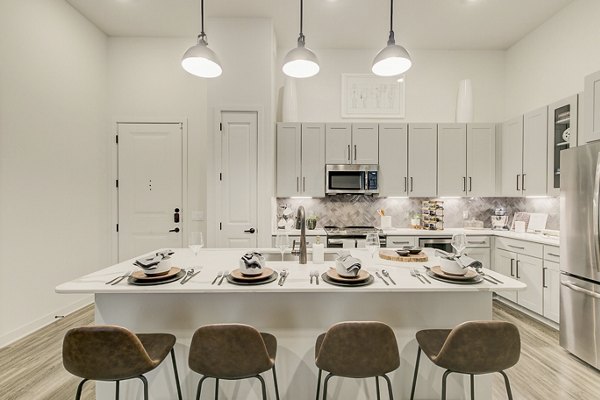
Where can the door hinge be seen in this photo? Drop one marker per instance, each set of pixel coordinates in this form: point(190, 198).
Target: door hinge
point(221, 126)
point(220, 226)
point(117, 227)
point(220, 176)
point(117, 183)
point(117, 139)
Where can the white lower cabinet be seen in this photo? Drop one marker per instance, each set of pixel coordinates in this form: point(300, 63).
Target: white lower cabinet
point(551, 281)
point(529, 271)
point(504, 263)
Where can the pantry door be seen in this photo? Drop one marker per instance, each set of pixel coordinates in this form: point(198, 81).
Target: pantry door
point(238, 180)
point(150, 191)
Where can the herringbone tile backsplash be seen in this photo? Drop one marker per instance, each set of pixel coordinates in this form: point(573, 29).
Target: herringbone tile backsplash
point(345, 210)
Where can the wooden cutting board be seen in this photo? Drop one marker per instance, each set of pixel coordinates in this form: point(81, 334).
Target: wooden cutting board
point(393, 256)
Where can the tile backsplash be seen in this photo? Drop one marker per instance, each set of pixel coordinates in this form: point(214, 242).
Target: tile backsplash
point(345, 210)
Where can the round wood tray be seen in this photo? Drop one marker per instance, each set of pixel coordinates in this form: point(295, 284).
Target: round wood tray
point(391, 255)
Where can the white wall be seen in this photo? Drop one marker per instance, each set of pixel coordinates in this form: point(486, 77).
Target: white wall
point(53, 159)
point(551, 62)
point(147, 83)
point(245, 47)
point(431, 85)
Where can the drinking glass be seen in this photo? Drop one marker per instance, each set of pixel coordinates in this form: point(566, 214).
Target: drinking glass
point(459, 243)
point(282, 241)
point(196, 242)
point(372, 243)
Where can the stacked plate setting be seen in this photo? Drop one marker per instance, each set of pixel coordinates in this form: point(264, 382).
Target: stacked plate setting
point(140, 278)
point(469, 278)
point(332, 277)
point(236, 277)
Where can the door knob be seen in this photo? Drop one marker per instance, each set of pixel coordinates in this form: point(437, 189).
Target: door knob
point(251, 230)
point(176, 230)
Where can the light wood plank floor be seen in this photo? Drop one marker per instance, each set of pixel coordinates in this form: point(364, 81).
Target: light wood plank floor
point(31, 369)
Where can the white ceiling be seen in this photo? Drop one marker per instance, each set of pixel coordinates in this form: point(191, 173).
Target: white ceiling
point(423, 24)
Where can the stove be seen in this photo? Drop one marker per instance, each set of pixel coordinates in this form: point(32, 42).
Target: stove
point(351, 236)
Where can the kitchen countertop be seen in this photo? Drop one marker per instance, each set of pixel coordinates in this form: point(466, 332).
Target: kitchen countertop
point(214, 260)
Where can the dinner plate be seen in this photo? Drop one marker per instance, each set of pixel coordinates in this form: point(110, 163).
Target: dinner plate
point(141, 276)
point(361, 277)
point(470, 274)
point(234, 281)
point(327, 278)
point(148, 282)
point(237, 275)
point(472, 281)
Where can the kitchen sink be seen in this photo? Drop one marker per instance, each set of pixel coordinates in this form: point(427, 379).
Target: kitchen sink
point(292, 257)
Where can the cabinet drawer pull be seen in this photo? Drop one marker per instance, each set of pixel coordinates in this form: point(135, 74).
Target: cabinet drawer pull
point(516, 247)
point(553, 255)
point(478, 242)
point(406, 242)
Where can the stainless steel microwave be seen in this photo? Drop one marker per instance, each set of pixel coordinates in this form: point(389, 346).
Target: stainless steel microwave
point(351, 179)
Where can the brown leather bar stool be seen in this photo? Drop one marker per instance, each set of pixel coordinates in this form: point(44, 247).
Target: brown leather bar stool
point(357, 350)
point(473, 348)
point(113, 353)
point(232, 352)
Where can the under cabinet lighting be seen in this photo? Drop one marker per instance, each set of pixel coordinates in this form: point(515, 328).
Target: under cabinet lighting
point(300, 197)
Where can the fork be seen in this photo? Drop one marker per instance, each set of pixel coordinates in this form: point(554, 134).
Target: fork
point(283, 276)
point(119, 278)
point(314, 274)
point(223, 277)
point(422, 276)
point(414, 273)
point(219, 275)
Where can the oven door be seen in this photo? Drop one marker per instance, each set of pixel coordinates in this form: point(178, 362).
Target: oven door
point(444, 244)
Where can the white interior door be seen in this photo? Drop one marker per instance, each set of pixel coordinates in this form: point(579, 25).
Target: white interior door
point(239, 168)
point(149, 187)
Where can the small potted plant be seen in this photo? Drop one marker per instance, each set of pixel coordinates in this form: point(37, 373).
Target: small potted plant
point(311, 222)
point(415, 219)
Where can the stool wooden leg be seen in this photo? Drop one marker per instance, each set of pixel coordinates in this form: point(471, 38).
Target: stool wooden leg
point(200, 387)
point(414, 385)
point(377, 386)
point(79, 389)
point(117, 390)
point(176, 375)
point(145, 382)
point(448, 372)
point(325, 385)
point(264, 387)
point(472, 387)
point(389, 385)
point(276, 385)
point(319, 382)
point(507, 383)
point(217, 389)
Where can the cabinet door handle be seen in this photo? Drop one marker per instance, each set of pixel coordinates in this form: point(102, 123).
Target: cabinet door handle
point(298, 184)
point(523, 182)
point(544, 278)
point(411, 184)
point(518, 262)
point(512, 273)
point(348, 152)
point(518, 175)
point(303, 184)
point(355, 153)
point(464, 183)
point(470, 184)
point(405, 184)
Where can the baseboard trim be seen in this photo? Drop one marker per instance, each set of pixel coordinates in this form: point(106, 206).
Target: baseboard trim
point(33, 326)
point(527, 312)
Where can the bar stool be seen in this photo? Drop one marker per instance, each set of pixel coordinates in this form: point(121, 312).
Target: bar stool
point(357, 350)
point(113, 353)
point(473, 348)
point(232, 352)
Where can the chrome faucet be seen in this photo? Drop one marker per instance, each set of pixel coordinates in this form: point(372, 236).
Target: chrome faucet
point(301, 224)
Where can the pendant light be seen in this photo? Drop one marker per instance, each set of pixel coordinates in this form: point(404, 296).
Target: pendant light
point(199, 60)
point(300, 62)
point(392, 59)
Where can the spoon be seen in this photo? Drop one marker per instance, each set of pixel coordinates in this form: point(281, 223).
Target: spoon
point(387, 275)
point(188, 274)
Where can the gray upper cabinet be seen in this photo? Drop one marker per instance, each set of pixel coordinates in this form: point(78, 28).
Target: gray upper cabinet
point(452, 160)
point(512, 157)
point(352, 144)
point(393, 160)
point(481, 160)
point(300, 160)
point(535, 156)
point(591, 121)
point(422, 160)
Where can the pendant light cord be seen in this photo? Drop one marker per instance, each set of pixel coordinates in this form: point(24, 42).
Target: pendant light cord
point(301, 39)
point(391, 39)
point(202, 35)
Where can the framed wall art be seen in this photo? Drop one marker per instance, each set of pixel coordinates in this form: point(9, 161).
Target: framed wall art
point(370, 96)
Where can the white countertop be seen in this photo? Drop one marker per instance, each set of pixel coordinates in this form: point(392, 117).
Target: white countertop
point(215, 260)
point(296, 232)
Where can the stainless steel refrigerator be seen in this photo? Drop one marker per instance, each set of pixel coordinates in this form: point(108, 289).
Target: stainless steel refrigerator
point(580, 252)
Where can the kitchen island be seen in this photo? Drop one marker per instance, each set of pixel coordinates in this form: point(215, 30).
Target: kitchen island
point(296, 313)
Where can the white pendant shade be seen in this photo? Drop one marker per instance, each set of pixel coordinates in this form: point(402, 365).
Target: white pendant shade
point(391, 60)
point(201, 61)
point(300, 63)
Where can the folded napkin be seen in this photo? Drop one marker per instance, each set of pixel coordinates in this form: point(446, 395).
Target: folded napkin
point(253, 260)
point(349, 264)
point(151, 262)
point(466, 262)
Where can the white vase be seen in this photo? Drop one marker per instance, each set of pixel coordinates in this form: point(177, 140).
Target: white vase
point(289, 103)
point(464, 101)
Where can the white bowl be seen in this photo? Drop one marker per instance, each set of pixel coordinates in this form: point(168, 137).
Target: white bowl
point(451, 267)
point(161, 268)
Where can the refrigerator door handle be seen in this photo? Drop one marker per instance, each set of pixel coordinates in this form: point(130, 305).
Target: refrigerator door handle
point(576, 288)
point(595, 205)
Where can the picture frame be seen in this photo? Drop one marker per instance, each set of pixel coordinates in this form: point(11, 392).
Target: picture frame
point(370, 96)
